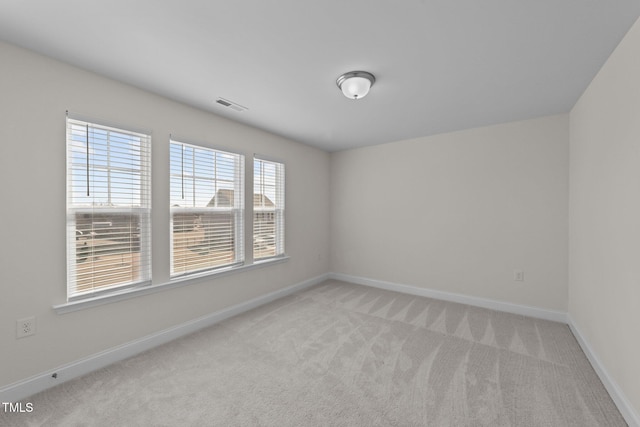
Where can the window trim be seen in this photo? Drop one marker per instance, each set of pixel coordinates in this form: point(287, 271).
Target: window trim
point(131, 290)
point(178, 282)
point(279, 210)
point(238, 213)
point(143, 212)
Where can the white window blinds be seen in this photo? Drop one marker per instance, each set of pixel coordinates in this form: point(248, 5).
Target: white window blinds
point(207, 208)
point(108, 208)
point(268, 209)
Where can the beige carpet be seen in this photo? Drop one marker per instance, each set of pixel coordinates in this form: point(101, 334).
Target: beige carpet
point(345, 355)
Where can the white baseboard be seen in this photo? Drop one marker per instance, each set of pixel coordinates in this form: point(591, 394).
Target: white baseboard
point(540, 313)
point(624, 406)
point(23, 389)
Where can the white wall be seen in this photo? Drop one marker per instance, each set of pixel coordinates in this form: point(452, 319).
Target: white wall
point(35, 92)
point(604, 240)
point(459, 212)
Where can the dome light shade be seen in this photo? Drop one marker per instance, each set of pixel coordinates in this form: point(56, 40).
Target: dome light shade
point(355, 84)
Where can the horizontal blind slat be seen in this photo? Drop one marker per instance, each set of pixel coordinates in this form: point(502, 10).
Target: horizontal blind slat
point(108, 204)
point(268, 218)
point(206, 210)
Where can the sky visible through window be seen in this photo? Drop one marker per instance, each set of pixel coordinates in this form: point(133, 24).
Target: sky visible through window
point(264, 181)
point(106, 167)
point(198, 174)
point(115, 171)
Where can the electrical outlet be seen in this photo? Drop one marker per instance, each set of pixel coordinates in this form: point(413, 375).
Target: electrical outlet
point(25, 327)
point(518, 275)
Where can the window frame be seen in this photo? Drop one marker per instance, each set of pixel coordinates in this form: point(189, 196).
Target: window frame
point(141, 211)
point(278, 209)
point(121, 292)
point(236, 211)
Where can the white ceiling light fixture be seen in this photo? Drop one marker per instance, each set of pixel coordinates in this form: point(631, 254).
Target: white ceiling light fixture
point(355, 84)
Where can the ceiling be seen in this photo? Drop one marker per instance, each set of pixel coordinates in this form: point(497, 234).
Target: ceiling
point(440, 65)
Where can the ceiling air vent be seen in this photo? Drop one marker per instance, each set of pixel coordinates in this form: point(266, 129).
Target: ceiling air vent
point(229, 104)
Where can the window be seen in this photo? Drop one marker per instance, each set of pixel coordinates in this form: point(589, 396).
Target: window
point(108, 208)
point(268, 209)
point(207, 208)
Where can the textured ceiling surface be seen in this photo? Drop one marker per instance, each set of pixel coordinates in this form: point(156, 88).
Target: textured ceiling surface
point(440, 65)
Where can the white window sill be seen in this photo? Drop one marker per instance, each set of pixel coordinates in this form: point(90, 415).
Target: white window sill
point(178, 282)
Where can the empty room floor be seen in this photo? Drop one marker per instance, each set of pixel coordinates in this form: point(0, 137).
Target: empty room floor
point(345, 355)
